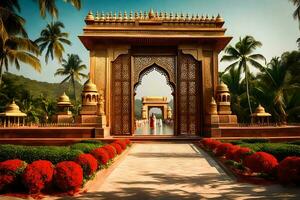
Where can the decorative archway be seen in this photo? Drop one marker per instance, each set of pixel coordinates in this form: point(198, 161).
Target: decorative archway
point(184, 74)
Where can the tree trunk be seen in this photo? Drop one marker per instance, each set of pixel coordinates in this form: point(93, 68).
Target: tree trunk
point(247, 87)
point(74, 90)
point(1, 71)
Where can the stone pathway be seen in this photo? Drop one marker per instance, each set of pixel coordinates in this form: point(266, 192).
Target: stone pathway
point(175, 171)
point(178, 171)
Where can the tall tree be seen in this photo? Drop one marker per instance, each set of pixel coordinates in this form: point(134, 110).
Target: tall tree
point(53, 39)
point(242, 55)
point(72, 69)
point(277, 89)
point(14, 49)
point(50, 6)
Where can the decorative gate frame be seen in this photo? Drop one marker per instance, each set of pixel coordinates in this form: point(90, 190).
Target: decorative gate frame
point(169, 66)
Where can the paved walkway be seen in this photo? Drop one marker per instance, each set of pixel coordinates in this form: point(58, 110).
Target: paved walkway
point(178, 171)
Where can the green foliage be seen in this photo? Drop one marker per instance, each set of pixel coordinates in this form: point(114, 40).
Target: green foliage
point(32, 153)
point(297, 142)
point(92, 142)
point(86, 147)
point(49, 90)
point(255, 140)
point(138, 108)
point(279, 150)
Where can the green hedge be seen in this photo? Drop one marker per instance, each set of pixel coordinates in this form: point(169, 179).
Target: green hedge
point(297, 142)
point(32, 153)
point(86, 147)
point(279, 150)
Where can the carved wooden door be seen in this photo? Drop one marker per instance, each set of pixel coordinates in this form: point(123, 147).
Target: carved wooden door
point(188, 94)
point(121, 96)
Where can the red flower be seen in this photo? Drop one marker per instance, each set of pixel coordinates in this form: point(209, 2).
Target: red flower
point(68, 176)
point(6, 179)
point(117, 147)
point(122, 143)
point(9, 172)
point(289, 170)
point(241, 153)
point(88, 163)
point(261, 162)
point(222, 149)
point(206, 141)
point(128, 142)
point(38, 175)
point(12, 166)
point(230, 154)
point(110, 150)
point(101, 155)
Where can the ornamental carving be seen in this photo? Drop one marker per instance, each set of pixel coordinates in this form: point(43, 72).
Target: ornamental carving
point(168, 63)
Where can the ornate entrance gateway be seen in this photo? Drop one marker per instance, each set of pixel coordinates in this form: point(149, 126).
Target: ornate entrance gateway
point(154, 102)
point(185, 49)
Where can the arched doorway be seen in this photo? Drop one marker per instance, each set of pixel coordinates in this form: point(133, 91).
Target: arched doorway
point(184, 75)
point(153, 98)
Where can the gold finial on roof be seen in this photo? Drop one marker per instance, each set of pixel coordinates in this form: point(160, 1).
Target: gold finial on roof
point(151, 14)
point(219, 19)
point(160, 15)
point(193, 17)
point(187, 17)
point(97, 16)
point(102, 16)
point(207, 18)
point(119, 16)
point(89, 16)
point(131, 15)
point(125, 15)
point(141, 15)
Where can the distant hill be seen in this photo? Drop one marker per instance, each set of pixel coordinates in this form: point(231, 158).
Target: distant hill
point(50, 90)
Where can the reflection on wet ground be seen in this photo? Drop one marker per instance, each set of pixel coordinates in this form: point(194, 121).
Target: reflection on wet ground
point(163, 129)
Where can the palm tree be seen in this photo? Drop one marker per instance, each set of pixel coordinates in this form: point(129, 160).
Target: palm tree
point(72, 69)
point(243, 57)
point(10, 21)
point(50, 6)
point(296, 13)
point(278, 88)
point(53, 39)
point(14, 49)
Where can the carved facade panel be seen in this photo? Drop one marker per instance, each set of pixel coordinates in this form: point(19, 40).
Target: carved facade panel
point(121, 95)
point(188, 95)
point(142, 62)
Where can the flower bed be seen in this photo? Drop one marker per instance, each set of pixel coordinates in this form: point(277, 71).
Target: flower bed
point(246, 163)
point(67, 175)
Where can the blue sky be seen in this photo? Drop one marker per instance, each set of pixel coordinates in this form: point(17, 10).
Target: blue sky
point(269, 21)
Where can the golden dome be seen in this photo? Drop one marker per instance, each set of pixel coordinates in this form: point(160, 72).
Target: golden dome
point(13, 107)
point(89, 87)
point(260, 109)
point(260, 112)
point(63, 100)
point(12, 110)
point(222, 87)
